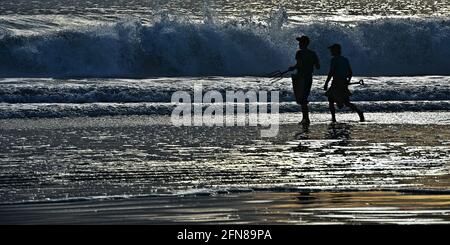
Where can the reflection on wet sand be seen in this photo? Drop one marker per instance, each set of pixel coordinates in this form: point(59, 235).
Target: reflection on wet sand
point(349, 172)
point(339, 131)
point(133, 156)
point(372, 207)
point(243, 208)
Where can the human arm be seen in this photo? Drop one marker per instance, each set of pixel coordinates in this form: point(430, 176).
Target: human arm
point(297, 65)
point(330, 75)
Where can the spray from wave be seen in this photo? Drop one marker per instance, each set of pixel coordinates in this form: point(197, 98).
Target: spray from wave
point(176, 47)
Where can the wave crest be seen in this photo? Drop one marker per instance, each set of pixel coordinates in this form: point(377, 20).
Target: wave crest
point(181, 48)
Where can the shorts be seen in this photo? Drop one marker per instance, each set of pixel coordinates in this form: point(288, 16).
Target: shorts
point(302, 88)
point(338, 92)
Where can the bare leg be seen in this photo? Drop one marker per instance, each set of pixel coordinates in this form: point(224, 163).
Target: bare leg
point(305, 113)
point(355, 109)
point(332, 110)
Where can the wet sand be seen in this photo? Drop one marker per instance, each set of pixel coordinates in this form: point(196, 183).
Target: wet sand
point(243, 208)
point(142, 170)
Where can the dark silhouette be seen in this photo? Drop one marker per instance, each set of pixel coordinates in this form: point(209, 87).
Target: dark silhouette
point(306, 197)
point(339, 131)
point(302, 80)
point(341, 72)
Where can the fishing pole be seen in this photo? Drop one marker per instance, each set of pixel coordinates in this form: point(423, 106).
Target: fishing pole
point(360, 82)
point(277, 76)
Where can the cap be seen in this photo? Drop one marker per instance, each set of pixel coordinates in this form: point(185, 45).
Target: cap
point(300, 39)
point(335, 46)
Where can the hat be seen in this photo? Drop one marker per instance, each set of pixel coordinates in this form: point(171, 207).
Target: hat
point(335, 46)
point(306, 38)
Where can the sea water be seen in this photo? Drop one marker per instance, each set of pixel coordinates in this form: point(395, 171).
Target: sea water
point(83, 82)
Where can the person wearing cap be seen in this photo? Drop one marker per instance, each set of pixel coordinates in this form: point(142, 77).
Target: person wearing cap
point(302, 80)
point(341, 72)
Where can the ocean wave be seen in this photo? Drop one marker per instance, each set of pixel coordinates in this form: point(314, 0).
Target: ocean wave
point(432, 88)
point(172, 47)
point(56, 110)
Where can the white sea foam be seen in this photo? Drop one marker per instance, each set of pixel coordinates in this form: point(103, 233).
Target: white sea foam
point(100, 97)
point(137, 47)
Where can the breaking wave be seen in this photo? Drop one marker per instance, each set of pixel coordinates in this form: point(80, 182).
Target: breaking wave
point(169, 47)
point(420, 88)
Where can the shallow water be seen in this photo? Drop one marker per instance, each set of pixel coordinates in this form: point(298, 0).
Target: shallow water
point(89, 158)
point(51, 97)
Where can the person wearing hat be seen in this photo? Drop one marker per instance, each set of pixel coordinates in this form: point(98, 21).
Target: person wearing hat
point(341, 72)
point(302, 80)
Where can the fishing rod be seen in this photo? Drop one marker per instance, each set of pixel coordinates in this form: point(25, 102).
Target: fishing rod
point(360, 82)
point(277, 75)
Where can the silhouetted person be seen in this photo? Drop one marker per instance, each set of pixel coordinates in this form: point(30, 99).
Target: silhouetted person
point(302, 81)
point(341, 72)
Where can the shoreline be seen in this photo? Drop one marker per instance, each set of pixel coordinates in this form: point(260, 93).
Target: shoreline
point(390, 170)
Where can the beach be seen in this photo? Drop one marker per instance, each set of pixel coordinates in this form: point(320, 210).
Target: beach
point(258, 208)
point(143, 170)
point(92, 93)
